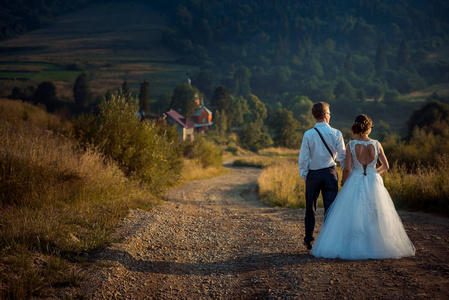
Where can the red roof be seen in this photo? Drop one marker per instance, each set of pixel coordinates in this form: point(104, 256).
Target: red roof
point(184, 122)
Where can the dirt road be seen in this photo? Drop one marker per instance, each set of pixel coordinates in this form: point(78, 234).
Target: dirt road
point(213, 239)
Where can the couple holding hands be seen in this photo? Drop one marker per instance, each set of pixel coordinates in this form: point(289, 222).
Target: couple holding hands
point(360, 221)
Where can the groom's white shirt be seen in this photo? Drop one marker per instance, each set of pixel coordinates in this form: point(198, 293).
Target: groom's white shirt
point(314, 155)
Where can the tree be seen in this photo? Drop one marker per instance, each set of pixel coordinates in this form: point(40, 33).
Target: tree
point(221, 99)
point(285, 128)
point(361, 95)
point(183, 99)
point(144, 97)
point(403, 57)
point(348, 66)
point(252, 136)
point(220, 122)
point(241, 80)
point(240, 109)
point(204, 81)
point(380, 63)
point(344, 89)
point(433, 117)
point(257, 109)
point(126, 92)
point(81, 91)
point(46, 94)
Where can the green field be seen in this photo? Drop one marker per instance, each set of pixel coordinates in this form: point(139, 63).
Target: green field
point(111, 42)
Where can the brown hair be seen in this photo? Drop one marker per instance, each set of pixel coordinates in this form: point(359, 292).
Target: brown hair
point(362, 124)
point(318, 109)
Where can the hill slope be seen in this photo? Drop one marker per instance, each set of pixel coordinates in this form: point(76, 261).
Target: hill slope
point(114, 42)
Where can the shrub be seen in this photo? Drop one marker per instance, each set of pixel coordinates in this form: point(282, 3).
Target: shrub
point(55, 201)
point(204, 152)
point(144, 150)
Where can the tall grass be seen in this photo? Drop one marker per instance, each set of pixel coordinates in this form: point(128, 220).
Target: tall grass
point(194, 170)
point(17, 112)
point(427, 188)
point(281, 185)
point(259, 161)
point(56, 201)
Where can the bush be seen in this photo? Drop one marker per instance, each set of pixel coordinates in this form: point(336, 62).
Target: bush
point(56, 201)
point(204, 152)
point(144, 150)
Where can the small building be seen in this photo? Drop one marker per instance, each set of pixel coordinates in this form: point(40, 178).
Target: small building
point(202, 119)
point(183, 125)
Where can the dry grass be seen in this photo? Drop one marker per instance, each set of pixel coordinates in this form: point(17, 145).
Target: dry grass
point(427, 188)
point(17, 112)
point(259, 161)
point(279, 151)
point(281, 185)
point(56, 202)
point(193, 170)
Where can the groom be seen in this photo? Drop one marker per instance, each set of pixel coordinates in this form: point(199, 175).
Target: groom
point(320, 147)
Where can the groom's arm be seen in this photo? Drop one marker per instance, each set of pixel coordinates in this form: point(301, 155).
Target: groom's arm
point(304, 158)
point(341, 150)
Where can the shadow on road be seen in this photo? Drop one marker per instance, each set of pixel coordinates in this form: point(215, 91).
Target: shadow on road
point(238, 265)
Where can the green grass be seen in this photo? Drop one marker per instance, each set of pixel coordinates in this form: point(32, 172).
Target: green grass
point(36, 71)
point(123, 44)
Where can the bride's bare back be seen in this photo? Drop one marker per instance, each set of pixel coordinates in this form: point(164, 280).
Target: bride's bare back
point(365, 154)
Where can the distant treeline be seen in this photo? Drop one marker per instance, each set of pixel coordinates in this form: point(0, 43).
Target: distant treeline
point(321, 49)
point(20, 16)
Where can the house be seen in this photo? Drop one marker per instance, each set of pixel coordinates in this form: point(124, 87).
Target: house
point(202, 119)
point(183, 125)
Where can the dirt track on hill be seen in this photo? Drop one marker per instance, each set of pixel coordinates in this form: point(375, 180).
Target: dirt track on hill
point(213, 239)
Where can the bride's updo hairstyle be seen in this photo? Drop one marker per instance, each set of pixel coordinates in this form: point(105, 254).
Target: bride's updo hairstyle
point(362, 124)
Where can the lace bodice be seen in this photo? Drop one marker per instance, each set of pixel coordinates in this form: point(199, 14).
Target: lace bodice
point(356, 165)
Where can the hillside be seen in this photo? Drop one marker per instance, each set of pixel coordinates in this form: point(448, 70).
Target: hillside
point(361, 57)
point(113, 42)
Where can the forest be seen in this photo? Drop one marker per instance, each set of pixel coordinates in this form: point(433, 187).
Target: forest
point(356, 55)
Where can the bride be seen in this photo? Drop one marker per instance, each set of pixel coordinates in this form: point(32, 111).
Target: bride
point(362, 223)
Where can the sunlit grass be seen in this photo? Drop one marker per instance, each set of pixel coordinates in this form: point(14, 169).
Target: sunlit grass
point(57, 201)
point(427, 188)
point(193, 170)
point(279, 151)
point(259, 161)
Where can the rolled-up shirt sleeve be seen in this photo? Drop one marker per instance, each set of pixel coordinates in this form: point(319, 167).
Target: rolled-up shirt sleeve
point(341, 150)
point(304, 158)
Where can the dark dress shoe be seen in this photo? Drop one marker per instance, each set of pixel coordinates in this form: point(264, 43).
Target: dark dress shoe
point(308, 245)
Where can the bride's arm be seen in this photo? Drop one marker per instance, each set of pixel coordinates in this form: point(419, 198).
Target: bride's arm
point(384, 166)
point(348, 165)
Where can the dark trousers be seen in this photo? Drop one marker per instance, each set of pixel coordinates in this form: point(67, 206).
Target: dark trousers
point(326, 182)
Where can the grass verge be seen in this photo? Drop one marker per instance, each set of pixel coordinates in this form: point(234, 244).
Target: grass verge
point(57, 202)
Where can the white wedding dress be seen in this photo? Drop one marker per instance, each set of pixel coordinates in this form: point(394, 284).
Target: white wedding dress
point(362, 223)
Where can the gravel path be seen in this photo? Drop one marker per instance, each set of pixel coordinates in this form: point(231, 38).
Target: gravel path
point(212, 239)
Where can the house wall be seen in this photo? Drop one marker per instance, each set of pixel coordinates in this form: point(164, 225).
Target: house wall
point(205, 115)
point(188, 134)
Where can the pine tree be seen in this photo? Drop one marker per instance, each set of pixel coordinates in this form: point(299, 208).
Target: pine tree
point(183, 100)
point(403, 57)
point(348, 66)
point(126, 92)
point(144, 97)
point(81, 91)
point(380, 64)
